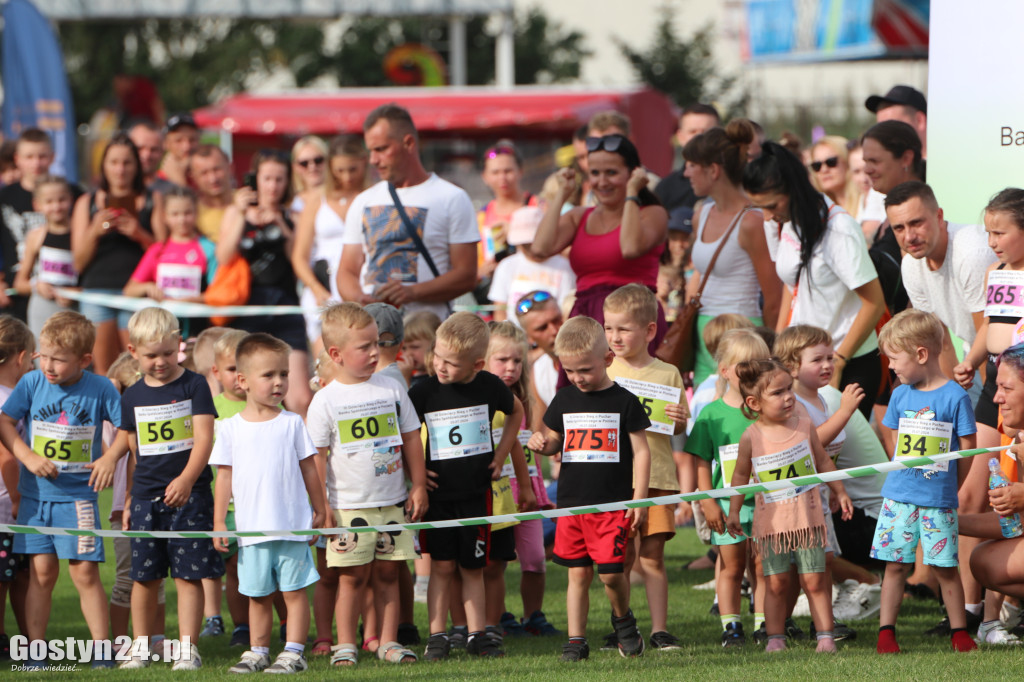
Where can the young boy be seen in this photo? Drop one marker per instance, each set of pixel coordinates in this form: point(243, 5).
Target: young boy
point(458, 405)
point(204, 354)
point(64, 407)
point(368, 437)
point(587, 421)
point(933, 415)
point(630, 323)
point(392, 332)
point(266, 462)
point(168, 419)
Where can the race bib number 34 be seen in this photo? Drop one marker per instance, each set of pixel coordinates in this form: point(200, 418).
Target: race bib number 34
point(924, 438)
point(68, 447)
point(591, 437)
point(654, 398)
point(373, 424)
point(164, 429)
point(462, 432)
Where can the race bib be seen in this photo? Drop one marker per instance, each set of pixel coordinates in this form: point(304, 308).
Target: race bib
point(531, 464)
point(834, 448)
point(56, 267)
point(727, 455)
point(368, 426)
point(924, 438)
point(654, 398)
point(591, 437)
point(461, 432)
point(178, 280)
point(68, 447)
point(790, 463)
point(1004, 296)
point(164, 429)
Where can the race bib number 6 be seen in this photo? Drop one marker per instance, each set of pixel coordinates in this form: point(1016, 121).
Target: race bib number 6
point(372, 424)
point(462, 432)
point(68, 447)
point(164, 429)
point(924, 438)
point(591, 437)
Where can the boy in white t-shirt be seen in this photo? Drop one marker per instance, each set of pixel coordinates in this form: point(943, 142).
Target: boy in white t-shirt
point(276, 471)
point(367, 433)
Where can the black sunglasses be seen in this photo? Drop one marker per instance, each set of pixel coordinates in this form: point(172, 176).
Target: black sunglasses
point(316, 161)
point(610, 143)
point(527, 302)
point(831, 162)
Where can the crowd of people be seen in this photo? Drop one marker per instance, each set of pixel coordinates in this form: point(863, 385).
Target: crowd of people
point(842, 322)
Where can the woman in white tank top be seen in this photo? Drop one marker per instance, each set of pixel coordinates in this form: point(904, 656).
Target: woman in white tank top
point(744, 272)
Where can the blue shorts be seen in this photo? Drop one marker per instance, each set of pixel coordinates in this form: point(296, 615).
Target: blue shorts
point(901, 525)
point(98, 314)
point(185, 558)
point(267, 567)
point(77, 514)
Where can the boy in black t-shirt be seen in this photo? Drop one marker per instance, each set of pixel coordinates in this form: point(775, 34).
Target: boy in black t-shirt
point(589, 422)
point(168, 416)
point(458, 406)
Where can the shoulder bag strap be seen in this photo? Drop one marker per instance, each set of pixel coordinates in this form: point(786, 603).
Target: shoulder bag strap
point(411, 230)
point(721, 245)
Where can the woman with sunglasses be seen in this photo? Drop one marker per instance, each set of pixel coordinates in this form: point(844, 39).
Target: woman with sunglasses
point(503, 175)
point(320, 226)
point(743, 272)
point(831, 175)
point(309, 156)
point(821, 257)
point(257, 228)
point(614, 243)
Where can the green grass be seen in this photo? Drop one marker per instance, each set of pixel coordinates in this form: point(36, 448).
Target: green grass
point(532, 659)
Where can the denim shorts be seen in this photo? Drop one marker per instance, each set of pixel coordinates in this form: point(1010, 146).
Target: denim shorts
point(98, 314)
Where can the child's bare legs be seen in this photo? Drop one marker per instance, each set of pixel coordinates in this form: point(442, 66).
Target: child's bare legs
point(238, 603)
point(531, 589)
point(325, 596)
point(385, 593)
point(212, 589)
point(652, 560)
point(43, 575)
point(952, 595)
point(297, 609)
point(733, 561)
point(351, 584)
point(405, 593)
point(261, 621)
point(371, 626)
point(494, 591)
point(439, 593)
point(993, 604)
point(616, 587)
point(190, 608)
point(455, 607)
point(93, 598)
point(473, 596)
point(577, 599)
point(818, 587)
point(892, 596)
point(776, 607)
point(19, 592)
point(144, 607)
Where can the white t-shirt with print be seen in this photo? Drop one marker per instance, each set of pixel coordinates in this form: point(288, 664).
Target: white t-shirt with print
point(366, 470)
point(443, 215)
point(517, 276)
point(957, 288)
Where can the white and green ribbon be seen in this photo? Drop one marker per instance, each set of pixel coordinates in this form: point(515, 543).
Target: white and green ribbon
point(179, 308)
point(827, 477)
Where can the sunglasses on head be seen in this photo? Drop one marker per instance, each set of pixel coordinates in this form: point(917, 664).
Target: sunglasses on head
point(527, 302)
point(315, 161)
point(831, 162)
point(609, 143)
point(500, 151)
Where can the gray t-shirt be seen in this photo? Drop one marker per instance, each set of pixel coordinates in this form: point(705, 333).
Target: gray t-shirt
point(957, 288)
point(395, 373)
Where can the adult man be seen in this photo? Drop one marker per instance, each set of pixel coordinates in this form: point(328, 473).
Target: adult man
point(181, 139)
point(398, 271)
point(210, 171)
point(903, 103)
point(150, 143)
point(675, 190)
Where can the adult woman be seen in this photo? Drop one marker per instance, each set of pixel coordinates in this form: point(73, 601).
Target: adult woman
point(503, 173)
point(318, 231)
point(257, 228)
point(870, 210)
point(743, 271)
point(822, 260)
point(309, 154)
point(111, 228)
point(830, 172)
point(616, 242)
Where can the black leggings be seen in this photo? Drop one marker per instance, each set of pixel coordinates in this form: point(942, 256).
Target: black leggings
point(865, 370)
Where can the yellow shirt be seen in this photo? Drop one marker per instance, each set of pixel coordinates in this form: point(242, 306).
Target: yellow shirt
point(208, 221)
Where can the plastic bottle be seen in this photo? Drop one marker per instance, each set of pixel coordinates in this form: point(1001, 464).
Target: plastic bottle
point(1011, 524)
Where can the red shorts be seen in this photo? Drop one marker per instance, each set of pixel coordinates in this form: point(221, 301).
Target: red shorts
point(601, 539)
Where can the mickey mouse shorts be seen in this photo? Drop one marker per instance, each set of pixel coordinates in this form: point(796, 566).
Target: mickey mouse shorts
point(358, 549)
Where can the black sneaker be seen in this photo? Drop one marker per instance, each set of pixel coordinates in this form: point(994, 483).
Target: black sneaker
point(438, 647)
point(610, 642)
point(942, 629)
point(240, 636)
point(408, 634)
point(494, 632)
point(841, 632)
point(663, 641)
point(575, 650)
point(213, 627)
point(483, 645)
point(714, 610)
point(733, 637)
point(793, 630)
point(760, 635)
point(537, 624)
point(510, 625)
point(631, 642)
point(457, 636)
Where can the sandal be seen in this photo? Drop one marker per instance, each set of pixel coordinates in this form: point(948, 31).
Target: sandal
point(371, 644)
point(322, 646)
point(344, 655)
point(393, 652)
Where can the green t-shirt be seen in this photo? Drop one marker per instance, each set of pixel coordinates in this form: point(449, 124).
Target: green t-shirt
point(227, 408)
point(716, 435)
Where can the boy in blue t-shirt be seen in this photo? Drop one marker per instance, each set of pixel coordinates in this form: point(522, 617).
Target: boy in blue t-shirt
point(168, 417)
point(930, 415)
point(64, 408)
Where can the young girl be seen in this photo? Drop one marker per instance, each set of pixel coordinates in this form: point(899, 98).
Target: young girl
point(50, 246)
point(714, 443)
point(790, 523)
point(16, 347)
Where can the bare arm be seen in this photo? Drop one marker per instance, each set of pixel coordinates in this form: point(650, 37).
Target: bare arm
point(641, 475)
point(22, 280)
point(556, 231)
point(221, 499)
point(156, 222)
point(508, 438)
point(962, 466)
point(179, 489)
point(642, 228)
point(86, 232)
point(416, 468)
point(305, 233)
point(872, 305)
point(315, 490)
point(352, 258)
point(752, 240)
point(231, 227)
point(785, 305)
point(740, 476)
point(37, 464)
point(545, 442)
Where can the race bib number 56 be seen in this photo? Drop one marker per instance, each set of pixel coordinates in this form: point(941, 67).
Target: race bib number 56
point(591, 437)
point(164, 429)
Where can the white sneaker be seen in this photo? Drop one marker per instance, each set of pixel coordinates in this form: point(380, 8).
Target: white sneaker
point(709, 585)
point(251, 662)
point(993, 632)
point(134, 663)
point(1010, 615)
point(870, 600)
point(189, 660)
point(846, 605)
point(288, 662)
point(803, 607)
point(419, 593)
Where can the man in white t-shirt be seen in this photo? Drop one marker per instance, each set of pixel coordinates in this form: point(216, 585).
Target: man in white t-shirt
point(945, 263)
point(380, 260)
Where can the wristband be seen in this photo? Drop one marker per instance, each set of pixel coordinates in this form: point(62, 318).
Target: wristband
point(840, 356)
point(633, 197)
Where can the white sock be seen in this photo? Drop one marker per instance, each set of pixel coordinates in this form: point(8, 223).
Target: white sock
point(295, 647)
point(973, 609)
point(261, 650)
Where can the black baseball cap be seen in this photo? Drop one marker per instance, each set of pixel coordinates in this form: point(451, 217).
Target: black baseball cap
point(899, 94)
point(681, 219)
point(179, 120)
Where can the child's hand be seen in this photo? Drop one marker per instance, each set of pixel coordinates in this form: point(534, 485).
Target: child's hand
point(852, 395)
point(177, 492)
point(219, 544)
point(537, 442)
point(153, 291)
point(678, 412)
point(733, 525)
point(126, 514)
point(46, 290)
point(102, 473)
point(684, 513)
point(964, 374)
point(431, 481)
point(416, 505)
point(496, 466)
point(319, 521)
point(846, 504)
point(714, 515)
point(40, 466)
point(636, 517)
point(527, 500)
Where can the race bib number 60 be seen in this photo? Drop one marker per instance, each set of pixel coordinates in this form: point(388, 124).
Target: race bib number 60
point(372, 424)
point(591, 437)
point(164, 429)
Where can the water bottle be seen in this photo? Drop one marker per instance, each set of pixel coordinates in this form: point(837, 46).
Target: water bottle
point(1010, 525)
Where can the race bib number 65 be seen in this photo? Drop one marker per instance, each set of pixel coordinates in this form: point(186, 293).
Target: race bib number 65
point(68, 447)
point(591, 437)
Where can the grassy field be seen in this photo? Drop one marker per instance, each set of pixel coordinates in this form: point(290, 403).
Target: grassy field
point(532, 659)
